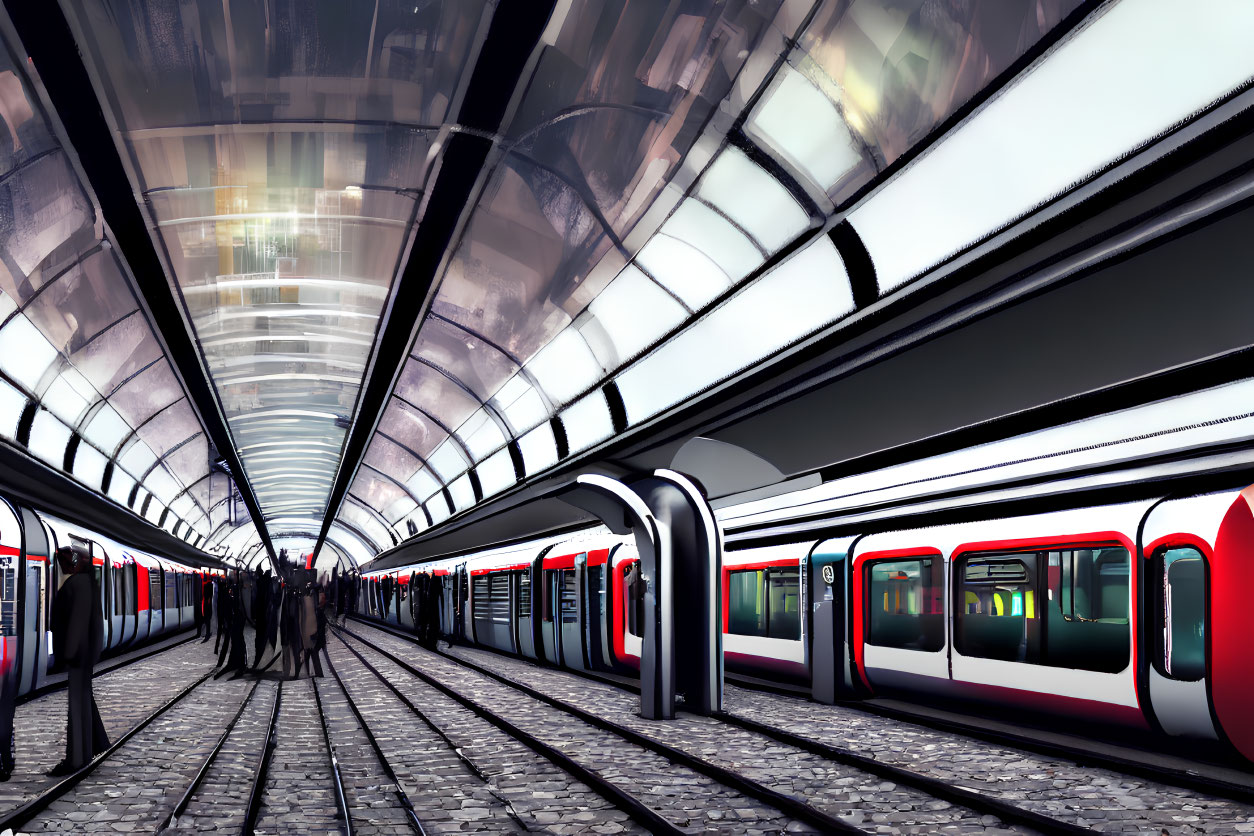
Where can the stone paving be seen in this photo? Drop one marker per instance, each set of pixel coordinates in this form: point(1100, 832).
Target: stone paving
point(681, 795)
point(863, 800)
point(1097, 798)
point(221, 800)
point(371, 795)
point(135, 788)
point(448, 797)
point(543, 796)
point(1090, 797)
point(299, 796)
point(124, 697)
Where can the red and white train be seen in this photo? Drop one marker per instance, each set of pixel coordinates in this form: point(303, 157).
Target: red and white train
point(1127, 613)
point(143, 596)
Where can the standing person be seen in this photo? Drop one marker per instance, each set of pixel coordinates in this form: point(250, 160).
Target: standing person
point(308, 616)
point(198, 604)
point(261, 613)
point(273, 614)
point(77, 639)
point(207, 591)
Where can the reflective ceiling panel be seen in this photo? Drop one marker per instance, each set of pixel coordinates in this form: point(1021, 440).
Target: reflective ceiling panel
point(78, 354)
point(281, 151)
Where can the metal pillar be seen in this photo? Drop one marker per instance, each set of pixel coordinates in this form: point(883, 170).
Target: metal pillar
point(681, 560)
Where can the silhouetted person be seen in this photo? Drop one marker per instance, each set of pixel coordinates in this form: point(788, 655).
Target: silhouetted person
point(231, 622)
point(208, 589)
point(77, 639)
point(261, 614)
point(198, 602)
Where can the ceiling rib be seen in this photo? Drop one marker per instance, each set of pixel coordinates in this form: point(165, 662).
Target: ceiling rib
point(507, 53)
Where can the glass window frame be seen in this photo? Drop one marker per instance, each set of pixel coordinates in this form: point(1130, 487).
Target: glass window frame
point(941, 572)
point(1161, 624)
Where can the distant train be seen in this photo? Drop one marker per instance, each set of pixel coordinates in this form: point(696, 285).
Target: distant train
point(142, 596)
point(1134, 614)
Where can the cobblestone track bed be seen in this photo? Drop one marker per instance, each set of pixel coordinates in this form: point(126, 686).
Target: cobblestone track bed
point(545, 797)
point(1099, 798)
point(683, 796)
point(134, 789)
point(1092, 797)
point(124, 697)
point(371, 795)
point(221, 800)
point(299, 795)
point(864, 800)
point(447, 795)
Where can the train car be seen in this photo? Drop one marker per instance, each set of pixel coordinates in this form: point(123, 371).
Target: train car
point(142, 596)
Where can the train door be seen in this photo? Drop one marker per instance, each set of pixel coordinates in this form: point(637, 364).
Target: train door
point(448, 613)
point(523, 632)
point(571, 609)
point(143, 621)
point(11, 577)
point(156, 600)
point(596, 651)
point(34, 642)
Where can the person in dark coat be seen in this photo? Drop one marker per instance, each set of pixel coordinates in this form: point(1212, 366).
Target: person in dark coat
point(198, 603)
point(77, 638)
point(208, 588)
point(261, 614)
point(231, 610)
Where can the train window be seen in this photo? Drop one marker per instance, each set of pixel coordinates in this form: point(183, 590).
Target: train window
point(765, 602)
point(568, 601)
point(746, 613)
point(481, 608)
point(1184, 613)
point(634, 587)
point(1087, 614)
point(154, 589)
point(996, 613)
point(904, 604)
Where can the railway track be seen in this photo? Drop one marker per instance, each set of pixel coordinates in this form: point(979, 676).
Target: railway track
point(821, 814)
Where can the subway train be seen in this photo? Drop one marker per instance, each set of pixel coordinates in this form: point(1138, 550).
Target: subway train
point(1126, 614)
point(142, 596)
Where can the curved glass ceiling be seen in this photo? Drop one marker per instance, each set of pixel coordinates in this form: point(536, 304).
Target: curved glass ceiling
point(281, 152)
point(85, 385)
point(652, 220)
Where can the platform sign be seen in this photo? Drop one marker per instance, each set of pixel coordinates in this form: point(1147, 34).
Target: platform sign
point(8, 595)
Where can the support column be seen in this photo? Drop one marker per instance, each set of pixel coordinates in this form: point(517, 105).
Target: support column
point(680, 552)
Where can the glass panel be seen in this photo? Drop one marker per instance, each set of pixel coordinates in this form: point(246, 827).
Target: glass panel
point(137, 458)
point(521, 404)
point(82, 302)
point(463, 495)
point(170, 426)
point(117, 354)
point(700, 226)
point(24, 352)
point(795, 120)
point(1184, 604)
point(586, 422)
point(1087, 616)
point(565, 367)
point(496, 473)
point(684, 270)
point(996, 616)
point(190, 462)
point(89, 465)
point(435, 394)
point(904, 604)
point(151, 390)
point(447, 461)
point(798, 296)
point(481, 434)
point(392, 459)
point(68, 396)
point(898, 70)
point(474, 362)
point(539, 450)
point(422, 484)
point(746, 615)
point(162, 485)
point(120, 486)
point(988, 172)
point(48, 438)
point(12, 403)
point(411, 428)
point(438, 509)
point(106, 429)
point(783, 600)
point(374, 491)
point(629, 315)
point(367, 524)
point(740, 189)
